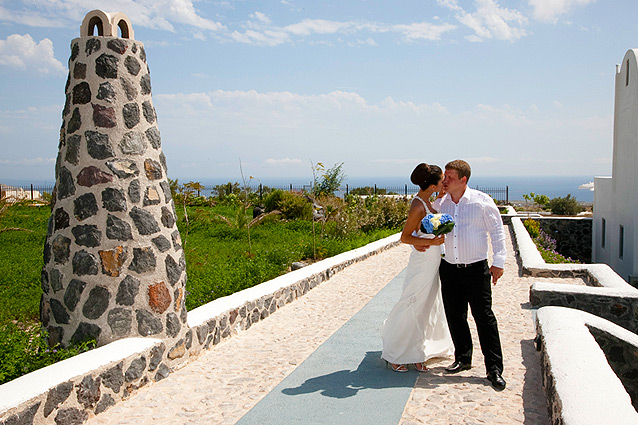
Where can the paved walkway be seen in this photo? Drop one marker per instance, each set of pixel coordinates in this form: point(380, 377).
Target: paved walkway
point(223, 385)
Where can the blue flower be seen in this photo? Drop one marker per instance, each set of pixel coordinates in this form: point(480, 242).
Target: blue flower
point(426, 224)
point(445, 218)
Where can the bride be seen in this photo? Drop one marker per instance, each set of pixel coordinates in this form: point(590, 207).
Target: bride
point(416, 329)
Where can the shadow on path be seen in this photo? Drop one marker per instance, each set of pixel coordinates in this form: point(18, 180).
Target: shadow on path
point(534, 402)
point(371, 373)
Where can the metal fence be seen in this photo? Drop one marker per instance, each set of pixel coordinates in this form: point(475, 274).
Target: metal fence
point(499, 194)
point(30, 191)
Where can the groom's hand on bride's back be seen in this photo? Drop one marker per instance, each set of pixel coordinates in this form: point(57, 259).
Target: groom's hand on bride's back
point(438, 240)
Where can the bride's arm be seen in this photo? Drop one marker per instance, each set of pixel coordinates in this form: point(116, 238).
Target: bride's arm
point(413, 223)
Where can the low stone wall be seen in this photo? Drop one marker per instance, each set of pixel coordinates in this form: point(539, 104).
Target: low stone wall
point(607, 294)
point(582, 358)
point(619, 307)
point(573, 235)
point(67, 392)
point(593, 340)
point(71, 391)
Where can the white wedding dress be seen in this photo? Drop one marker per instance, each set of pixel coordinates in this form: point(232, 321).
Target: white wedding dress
point(416, 329)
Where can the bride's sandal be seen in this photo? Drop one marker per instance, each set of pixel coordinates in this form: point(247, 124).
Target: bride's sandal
point(421, 367)
point(399, 368)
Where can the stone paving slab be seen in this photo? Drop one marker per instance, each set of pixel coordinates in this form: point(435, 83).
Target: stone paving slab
point(226, 382)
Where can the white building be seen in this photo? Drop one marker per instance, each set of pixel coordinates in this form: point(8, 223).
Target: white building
point(616, 198)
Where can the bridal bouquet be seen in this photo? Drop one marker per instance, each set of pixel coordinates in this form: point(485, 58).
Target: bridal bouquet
point(437, 224)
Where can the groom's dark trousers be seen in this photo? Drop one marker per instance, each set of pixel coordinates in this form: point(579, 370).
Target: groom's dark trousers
point(463, 285)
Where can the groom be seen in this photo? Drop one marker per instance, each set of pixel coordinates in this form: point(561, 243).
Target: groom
point(465, 274)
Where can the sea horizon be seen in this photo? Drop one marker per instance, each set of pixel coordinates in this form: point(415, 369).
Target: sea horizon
point(552, 186)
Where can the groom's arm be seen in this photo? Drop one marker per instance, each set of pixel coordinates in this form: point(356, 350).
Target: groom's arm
point(494, 225)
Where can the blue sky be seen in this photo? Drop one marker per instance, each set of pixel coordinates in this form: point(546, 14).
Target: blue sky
point(515, 87)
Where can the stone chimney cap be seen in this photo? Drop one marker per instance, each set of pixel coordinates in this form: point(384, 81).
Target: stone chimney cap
point(107, 24)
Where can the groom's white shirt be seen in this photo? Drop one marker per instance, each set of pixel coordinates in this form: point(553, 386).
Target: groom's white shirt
point(475, 216)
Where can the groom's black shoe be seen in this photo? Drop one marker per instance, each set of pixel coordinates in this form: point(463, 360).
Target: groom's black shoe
point(497, 380)
point(458, 366)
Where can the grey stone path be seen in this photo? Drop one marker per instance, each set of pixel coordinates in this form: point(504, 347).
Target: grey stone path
point(223, 384)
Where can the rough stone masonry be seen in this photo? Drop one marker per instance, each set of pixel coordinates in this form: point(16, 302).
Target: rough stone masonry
point(114, 266)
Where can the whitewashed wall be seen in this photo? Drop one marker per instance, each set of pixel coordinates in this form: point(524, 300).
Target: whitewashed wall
point(616, 197)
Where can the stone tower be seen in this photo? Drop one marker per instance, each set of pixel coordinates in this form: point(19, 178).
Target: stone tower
point(114, 266)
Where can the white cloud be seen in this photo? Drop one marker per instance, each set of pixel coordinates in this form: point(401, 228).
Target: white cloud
point(367, 42)
point(398, 161)
point(283, 161)
point(28, 161)
point(261, 17)
point(402, 106)
point(489, 20)
point(29, 18)
point(265, 38)
point(423, 30)
point(184, 12)
point(503, 114)
point(260, 30)
point(321, 26)
point(482, 160)
point(550, 10)
point(22, 52)
point(161, 14)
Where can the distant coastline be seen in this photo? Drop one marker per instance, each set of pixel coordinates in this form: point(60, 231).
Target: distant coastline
point(552, 186)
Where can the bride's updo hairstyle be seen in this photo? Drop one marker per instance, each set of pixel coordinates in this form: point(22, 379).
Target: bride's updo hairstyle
point(425, 175)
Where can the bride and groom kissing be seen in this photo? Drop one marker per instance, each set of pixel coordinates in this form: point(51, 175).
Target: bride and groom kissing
point(430, 318)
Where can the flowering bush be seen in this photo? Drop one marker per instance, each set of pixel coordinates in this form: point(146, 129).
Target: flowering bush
point(545, 244)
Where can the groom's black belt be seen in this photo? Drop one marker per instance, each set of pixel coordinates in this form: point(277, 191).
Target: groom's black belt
point(464, 266)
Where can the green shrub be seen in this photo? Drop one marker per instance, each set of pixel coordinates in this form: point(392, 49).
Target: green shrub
point(565, 206)
point(273, 200)
point(296, 206)
point(293, 205)
point(223, 190)
point(533, 228)
point(199, 201)
point(330, 180)
point(541, 200)
point(384, 213)
point(368, 190)
point(231, 199)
